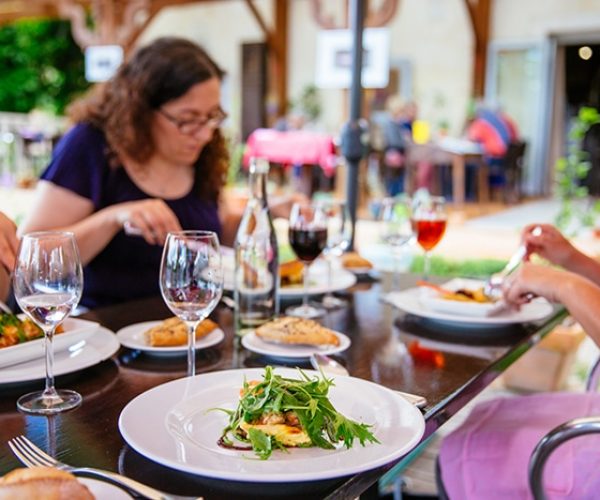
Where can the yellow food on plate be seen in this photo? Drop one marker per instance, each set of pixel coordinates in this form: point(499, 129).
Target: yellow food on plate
point(299, 331)
point(42, 483)
point(291, 272)
point(353, 260)
point(14, 330)
point(172, 332)
point(468, 295)
point(284, 427)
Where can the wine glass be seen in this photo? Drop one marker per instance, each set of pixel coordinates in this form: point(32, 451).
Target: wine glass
point(191, 280)
point(308, 238)
point(429, 221)
point(396, 226)
point(339, 233)
point(47, 282)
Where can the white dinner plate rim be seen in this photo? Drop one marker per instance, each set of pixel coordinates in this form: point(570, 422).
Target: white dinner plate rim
point(76, 329)
point(103, 341)
point(169, 393)
point(254, 343)
point(408, 301)
point(124, 336)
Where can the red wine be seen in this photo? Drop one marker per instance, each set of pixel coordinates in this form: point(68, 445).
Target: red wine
point(308, 243)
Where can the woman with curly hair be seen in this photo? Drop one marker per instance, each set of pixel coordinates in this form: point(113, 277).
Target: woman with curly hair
point(146, 156)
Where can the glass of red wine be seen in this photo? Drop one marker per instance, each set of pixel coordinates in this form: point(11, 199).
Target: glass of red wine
point(308, 238)
point(429, 223)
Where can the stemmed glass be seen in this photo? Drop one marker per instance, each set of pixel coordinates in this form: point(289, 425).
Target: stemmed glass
point(396, 225)
point(308, 238)
point(47, 282)
point(191, 280)
point(429, 220)
point(339, 233)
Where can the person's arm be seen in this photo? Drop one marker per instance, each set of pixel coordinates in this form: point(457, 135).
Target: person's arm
point(8, 252)
point(577, 293)
point(554, 247)
point(61, 209)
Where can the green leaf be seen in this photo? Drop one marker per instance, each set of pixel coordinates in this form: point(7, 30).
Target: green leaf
point(261, 443)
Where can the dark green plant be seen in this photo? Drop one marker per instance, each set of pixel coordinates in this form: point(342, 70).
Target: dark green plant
point(570, 171)
point(40, 66)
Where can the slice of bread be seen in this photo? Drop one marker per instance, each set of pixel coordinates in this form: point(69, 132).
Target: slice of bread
point(291, 272)
point(352, 260)
point(173, 332)
point(290, 330)
point(42, 483)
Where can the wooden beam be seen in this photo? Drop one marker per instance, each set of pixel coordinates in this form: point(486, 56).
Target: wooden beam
point(479, 14)
point(280, 43)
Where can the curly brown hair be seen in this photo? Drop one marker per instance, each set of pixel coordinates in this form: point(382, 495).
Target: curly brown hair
point(123, 107)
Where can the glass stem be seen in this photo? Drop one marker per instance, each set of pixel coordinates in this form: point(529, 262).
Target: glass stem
point(49, 391)
point(191, 352)
point(426, 265)
point(305, 286)
point(329, 294)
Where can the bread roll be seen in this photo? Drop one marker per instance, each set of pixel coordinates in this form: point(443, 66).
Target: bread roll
point(42, 483)
point(172, 332)
point(300, 331)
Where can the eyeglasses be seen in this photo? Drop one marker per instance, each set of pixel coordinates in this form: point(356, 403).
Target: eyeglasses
point(192, 127)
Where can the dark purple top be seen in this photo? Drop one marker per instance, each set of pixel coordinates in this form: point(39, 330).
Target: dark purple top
point(128, 267)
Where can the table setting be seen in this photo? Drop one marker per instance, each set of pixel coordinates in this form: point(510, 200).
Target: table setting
point(169, 403)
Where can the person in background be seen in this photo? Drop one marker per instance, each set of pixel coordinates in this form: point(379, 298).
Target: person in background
point(487, 456)
point(396, 134)
point(146, 156)
point(8, 252)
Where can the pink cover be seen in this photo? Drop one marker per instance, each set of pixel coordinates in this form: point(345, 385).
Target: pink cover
point(297, 147)
point(487, 457)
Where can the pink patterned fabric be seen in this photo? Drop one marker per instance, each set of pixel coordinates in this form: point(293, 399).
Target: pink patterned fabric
point(488, 456)
point(297, 147)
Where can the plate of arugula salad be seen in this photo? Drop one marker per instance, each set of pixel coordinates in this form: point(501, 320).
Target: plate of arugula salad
point(271, 425)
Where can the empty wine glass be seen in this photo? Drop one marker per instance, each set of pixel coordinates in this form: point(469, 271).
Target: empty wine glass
point(396, 226)
point(429, 221)
point(48, 282)
point(339, 233)
point(191, 280)
point(308, 238)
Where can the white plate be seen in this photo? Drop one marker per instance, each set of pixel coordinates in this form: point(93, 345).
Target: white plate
point(75, 330)
point(317, 279)
point(433, 300)
point(132, 336)
point(170, 425)
point(100, 345)
point(358, 271)
point(103, 490)
point(409, 301)
point(254, 343)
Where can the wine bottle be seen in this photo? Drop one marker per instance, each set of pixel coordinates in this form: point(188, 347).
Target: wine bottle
point(256, 278)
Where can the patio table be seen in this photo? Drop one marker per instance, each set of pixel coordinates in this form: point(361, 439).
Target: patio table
point(381, 351)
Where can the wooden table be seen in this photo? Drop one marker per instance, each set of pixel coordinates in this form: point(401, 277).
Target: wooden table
point(380, 336)
point(457, 154)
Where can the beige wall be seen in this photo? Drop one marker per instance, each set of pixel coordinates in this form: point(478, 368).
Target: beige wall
point(535, 19)
point(434, 36)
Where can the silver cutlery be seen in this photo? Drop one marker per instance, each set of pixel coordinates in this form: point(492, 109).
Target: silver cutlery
point(493, 285)
point(332, 367)
point(32, 456)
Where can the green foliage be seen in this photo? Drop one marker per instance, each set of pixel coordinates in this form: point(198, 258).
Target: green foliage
point(571, 170)
point(309, 103)
point(473, 268)
point(41, 66)
point(236, 155)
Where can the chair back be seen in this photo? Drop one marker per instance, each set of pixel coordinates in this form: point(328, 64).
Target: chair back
point(513, 168)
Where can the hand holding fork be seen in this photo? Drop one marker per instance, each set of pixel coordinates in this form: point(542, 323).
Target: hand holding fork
point(32, 456)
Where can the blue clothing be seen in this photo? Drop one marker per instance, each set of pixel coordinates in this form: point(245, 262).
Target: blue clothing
point(128, 267)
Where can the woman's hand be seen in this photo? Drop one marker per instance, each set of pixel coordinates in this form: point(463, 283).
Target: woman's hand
point(8, 242)
point(549, 244)
point(152, 218)
point(534, 280)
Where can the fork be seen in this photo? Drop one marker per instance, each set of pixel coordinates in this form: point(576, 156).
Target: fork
point(32, 456)
point(494, 283)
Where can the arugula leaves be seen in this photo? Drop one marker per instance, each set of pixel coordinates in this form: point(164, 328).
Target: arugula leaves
point(305, 398)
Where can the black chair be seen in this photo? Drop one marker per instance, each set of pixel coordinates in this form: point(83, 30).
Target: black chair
point(513, 171)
